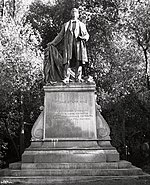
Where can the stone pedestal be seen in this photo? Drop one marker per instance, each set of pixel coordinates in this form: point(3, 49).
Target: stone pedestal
point(70, 112)
point(70, 143)
point(66, 131)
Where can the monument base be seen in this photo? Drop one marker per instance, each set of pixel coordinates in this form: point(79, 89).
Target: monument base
point(103, 173)
point(65, 147)
point(68, 127)
point(69, 155)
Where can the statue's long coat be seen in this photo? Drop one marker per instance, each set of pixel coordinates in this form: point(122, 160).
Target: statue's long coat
point(66, 33)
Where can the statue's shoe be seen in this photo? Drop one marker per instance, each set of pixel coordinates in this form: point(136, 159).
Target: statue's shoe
point(80, 80)
point(65, 81)
point(89, 79)
point(51, 83)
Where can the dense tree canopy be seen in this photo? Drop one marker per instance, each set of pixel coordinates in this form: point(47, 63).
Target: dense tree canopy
point(20, 74)
point(135, 24)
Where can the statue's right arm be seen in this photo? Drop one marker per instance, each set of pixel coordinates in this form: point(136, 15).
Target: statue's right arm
point(58, 38)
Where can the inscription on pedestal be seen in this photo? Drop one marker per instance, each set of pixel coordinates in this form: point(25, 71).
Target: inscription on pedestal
point(70, 114)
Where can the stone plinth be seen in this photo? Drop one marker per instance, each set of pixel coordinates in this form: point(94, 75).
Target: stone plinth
point(66, 131)
point(70, 112)
point(70, 143)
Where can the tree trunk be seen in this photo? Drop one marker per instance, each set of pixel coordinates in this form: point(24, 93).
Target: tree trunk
point(146, 63)
point(2, 8)
point(13, 143)
point(14, 8)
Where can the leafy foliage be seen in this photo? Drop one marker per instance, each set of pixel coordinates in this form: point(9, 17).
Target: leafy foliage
point(135, 24)
point(20, 77)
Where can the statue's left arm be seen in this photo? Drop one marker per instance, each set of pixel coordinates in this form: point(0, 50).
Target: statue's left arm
point(58, 38)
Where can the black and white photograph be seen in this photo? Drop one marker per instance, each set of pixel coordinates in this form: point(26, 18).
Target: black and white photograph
point(74, 92)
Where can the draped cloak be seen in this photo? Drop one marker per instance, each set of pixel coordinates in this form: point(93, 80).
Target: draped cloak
point(53, 65)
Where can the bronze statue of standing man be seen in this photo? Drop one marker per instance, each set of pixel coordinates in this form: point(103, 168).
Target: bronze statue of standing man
point(75, 35)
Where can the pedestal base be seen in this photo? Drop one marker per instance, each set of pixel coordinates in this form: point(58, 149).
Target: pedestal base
point(65, 147)
point(104, 173)
point(69, 152)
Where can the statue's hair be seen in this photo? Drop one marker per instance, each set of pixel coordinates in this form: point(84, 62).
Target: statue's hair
point(76, 9)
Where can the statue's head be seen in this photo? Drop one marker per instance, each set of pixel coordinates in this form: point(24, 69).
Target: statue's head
point(75, 13)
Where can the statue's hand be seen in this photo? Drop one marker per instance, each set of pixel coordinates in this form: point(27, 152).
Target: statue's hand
point(49, 44)
point(80, 38)
point(98, 107)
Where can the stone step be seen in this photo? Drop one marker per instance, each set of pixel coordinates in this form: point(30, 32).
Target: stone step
point(15, 165)
point(77, 180)
point(63, 156)
point(109, 165)
point(72, 172)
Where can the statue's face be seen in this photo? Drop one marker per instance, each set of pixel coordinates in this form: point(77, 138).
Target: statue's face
point(75, 13)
